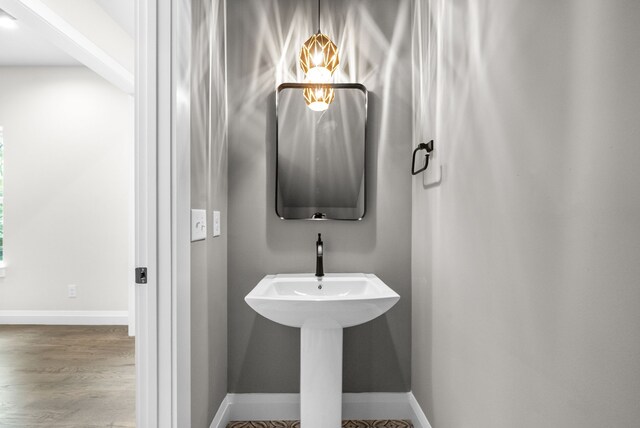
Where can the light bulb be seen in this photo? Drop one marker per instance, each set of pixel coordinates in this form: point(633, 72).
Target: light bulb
point(318, 75)
point(318, 106)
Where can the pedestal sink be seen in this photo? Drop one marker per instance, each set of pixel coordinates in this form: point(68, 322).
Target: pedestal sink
point(321, 308)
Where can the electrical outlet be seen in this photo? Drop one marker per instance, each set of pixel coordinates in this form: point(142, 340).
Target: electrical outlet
point(72, 291)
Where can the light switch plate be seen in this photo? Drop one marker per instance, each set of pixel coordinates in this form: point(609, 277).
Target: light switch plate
point(216, 223)
point(198, 225)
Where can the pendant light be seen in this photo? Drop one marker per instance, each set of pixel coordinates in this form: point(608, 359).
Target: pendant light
point(318, 97)
point(318, 60)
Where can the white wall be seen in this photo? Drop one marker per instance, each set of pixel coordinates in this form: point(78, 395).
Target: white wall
point(526, 280)
point(67, 138)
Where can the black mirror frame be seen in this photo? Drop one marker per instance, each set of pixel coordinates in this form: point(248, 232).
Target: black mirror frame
point(366, 112)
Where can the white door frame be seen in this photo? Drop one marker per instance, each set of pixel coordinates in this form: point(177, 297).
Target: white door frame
point(163, 213)
point(181, 31)
point(146, 215)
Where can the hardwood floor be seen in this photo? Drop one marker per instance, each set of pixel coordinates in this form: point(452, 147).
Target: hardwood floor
point(66, 376)
point(345, 424)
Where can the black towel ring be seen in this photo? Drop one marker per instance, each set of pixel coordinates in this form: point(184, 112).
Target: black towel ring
point(422, 146)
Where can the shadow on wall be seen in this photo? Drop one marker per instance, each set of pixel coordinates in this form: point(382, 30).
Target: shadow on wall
point(273, 358)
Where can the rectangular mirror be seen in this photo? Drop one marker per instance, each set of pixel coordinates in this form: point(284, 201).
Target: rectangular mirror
point(320, 172)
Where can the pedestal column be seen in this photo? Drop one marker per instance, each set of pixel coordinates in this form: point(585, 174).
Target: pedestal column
point(321, 377)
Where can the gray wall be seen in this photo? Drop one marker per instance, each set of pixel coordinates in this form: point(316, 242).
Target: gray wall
point(209, 191)
point(264, 37)
point(526, 288)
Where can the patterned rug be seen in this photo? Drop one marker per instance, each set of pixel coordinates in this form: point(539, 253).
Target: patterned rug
point(345, 424)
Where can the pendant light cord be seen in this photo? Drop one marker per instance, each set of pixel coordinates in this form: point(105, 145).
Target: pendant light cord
point(318, 16)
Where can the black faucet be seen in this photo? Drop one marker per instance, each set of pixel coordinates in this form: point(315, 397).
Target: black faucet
point(319, 251)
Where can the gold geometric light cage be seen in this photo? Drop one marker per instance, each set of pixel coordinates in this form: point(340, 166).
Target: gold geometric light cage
point(318, 97)
point(319, 58)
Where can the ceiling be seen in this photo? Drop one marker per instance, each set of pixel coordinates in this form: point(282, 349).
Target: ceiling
point(22, 46)
point(123, 12)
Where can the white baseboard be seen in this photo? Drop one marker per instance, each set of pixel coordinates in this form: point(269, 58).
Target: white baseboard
point(374, 405)
point(419, 418)
point(65, 317)
point(223, 415)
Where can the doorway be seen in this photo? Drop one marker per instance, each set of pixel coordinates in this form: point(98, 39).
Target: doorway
point(68, 238)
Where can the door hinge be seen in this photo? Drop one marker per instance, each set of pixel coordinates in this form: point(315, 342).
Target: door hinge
point(141, 275)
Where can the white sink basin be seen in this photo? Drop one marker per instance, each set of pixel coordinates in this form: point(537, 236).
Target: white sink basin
point(342, 300)
point(321, 308)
